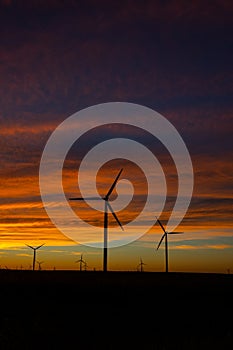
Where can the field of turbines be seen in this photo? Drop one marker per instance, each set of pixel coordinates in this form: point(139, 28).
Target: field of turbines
point(115, 310)
point(50, 309)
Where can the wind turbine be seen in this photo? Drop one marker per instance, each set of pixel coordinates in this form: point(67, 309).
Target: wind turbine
point(34, 253)
point(141, 265)
point(40, 263)
point(107, 206)
point(81, 262)
point(164, 236)
point(85, 266)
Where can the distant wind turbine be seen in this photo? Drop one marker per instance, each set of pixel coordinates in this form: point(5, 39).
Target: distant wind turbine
point(81, 262)
point(164, 236)
point(140, 265)
point(107, 206)
point(40, 263)
point(34, 253)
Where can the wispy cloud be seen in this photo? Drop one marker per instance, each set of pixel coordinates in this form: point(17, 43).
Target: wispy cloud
point(23, 254)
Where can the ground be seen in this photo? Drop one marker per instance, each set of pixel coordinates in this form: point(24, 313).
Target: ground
point(115, 310)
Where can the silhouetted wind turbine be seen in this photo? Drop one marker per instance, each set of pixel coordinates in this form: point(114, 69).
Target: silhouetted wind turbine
point(107, 206)
point(34, 253)
point(85, 266)
point(164, 236)
point(40, 263)
point(141, 265)
point(81, 262)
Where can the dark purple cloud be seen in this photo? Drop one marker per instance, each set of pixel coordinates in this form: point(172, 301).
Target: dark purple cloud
point(64, 56)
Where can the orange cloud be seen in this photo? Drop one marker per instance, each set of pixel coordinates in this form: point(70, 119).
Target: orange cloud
point(204, 246)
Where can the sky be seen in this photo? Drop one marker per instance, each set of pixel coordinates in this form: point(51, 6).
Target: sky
point(60, 57)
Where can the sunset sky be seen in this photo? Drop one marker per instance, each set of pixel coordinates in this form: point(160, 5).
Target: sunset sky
point(59, 57)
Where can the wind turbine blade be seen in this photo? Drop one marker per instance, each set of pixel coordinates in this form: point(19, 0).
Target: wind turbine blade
point(29, 246)
point(115, 216)
point(161, 240)
point(40, 246)
point(113, 185)
point(175, 233)
point(87, 198)
point(161, 225)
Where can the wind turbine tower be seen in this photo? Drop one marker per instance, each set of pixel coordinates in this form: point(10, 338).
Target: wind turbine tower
point(39, 265)
point(34, 254)
point(81, 262)
point(164, 236)
point(107, 206)
point(140, 265)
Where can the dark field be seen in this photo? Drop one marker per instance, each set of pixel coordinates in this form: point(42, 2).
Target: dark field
point(115, 310)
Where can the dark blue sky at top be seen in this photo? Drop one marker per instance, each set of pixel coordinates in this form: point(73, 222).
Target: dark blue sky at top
point(173, 56)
